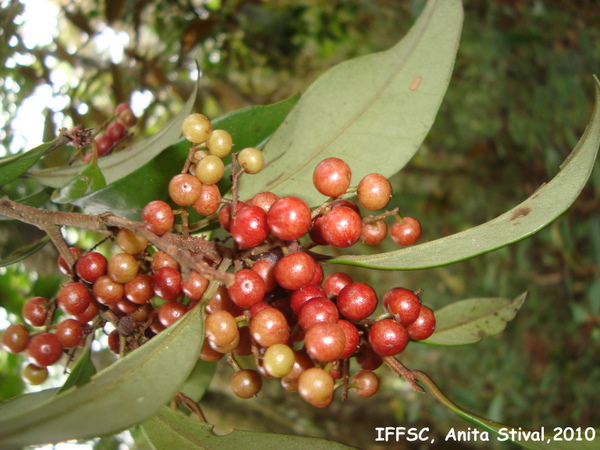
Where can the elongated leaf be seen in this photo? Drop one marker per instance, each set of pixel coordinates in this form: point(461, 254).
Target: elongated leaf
point(373, 111)
point(116, 398)
point(88, 180)
point(121, 164)
point(13, 167)
point(540, 439)
point(197, 383)
point(549, 202)
point(173, 429)
point(469, 321)
point(23, 252)
point(83, 370)
point(127, 196)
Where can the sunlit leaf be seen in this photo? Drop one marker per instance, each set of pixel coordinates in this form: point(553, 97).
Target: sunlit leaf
point(173, 429)
point(14, 166)
point(545, 205)
point(121, 164)
point(374, 112)
point(248, 127)
point(469, 321)
point(81, 372)
point(125, 393)
point(539, 439)
point(88, 180)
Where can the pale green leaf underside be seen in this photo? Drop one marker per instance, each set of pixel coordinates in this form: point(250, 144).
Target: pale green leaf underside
point(173, 429)
point(545, 205)
point(468, 321)
point(126, 393)
point(121, 164)
point(373, 111)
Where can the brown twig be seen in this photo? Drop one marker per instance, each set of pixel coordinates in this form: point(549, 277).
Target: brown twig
point(398, 368)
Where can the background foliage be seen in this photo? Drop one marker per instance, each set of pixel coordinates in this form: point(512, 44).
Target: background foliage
point(519, 98)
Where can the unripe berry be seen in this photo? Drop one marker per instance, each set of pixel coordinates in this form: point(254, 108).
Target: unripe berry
point(245, 383)
point(269, 327)
point(251, 160)
point(374, 192)
point(196, 128)
point(219, 143)
point(278, 360)
point(315, 386)
point(130, 242)
point(210, 169)
point(184, 189)
point(34, 375)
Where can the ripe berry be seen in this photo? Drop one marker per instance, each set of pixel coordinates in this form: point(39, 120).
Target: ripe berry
point(208, 201)
point(35, 311)
point(166, 283)
point(278, 360)
point(44, 349)
point(251, 160)
point(161, 259)
point(300, 296)
point(69, 332)
point(219, 301)
point(91, 266)
point(158, 217)
point(373, 233)
point(366, 357)
point(122, 107)
point(139, 290)
point(406, 231)
point(402, 303)
point(122, 267)
point(295, 270)
point(221, 328)
point(90, 313)
point(184, 189)
point(73, 298)
point(225, 215)
point(196, 128)
point(219, 143)
point(15, 338)
point(130, 242)
point(315, 386)
point(266, 269)
point(62, 264)
point(249, 227)
point(374, 192)
point(357, 301)
point(332, 177)
point(289, 218)
point(423, 326)
point(269, 327)
point(366, 383)
point(317, 310)
point(107, 291)
point(34, 375)
point(245, 383)
point(210, 169)
point(248, 288)
point(171, 312)
point(195, 286)
point(352, 338)
point(104, 144)
point(335, 282)
point(388, 337)
point(325, 341)
point(341, 227)
point(263, 200)
point(116, 131)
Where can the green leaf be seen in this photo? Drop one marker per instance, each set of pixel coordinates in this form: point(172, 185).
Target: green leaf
point(374, 112)
point(121, 164)
point(88, 180)
point(248, 127)
point(468, 321)
point(23, 252)
point(197, 383)
point(549, 202)
point(173, 429)
point(83, 370)
point(540, 439)
point(125, 393)
point(13, 167)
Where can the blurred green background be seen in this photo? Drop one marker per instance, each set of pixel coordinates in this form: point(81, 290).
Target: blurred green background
point(520, 97)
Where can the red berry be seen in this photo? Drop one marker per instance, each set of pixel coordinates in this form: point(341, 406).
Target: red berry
point(335, 282)
point(325, 341)
point(263, 200)
point(374, 191)
point(269, 327)
point(15, 338)
point(69, 332)
point(195, 286)
point(289, 218)
point(166, 283)
point(104, 144)
point(357, 301)
point(171, 312)
point(366, 383)
point(317, 310)
point(107, 291)
point(44, 349)
point(208, 201)
point(424, 326)
point(332, 177)
point(62, 264)
point(266, 269)
point(139, 290)
point(388, 337)
point(35, 311)
point(158, 217)
point(316, 386)
point(406, 231)
point(122, 267)
point(366, 357)
point(402, 303)
point(122, 107)
point(248, 288)
point(295, 270)
point(373, 233)
point(221, 328)
point(341, 227)
point(90, 313)
point(225, 215)
point(300, 296)
point(352, 338)
point(249, 227)
point(184, 189)
point(116, 131)
point(74, 298)
point(91, 266)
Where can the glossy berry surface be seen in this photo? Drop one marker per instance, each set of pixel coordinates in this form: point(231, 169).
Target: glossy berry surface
point(357, 301)
point(249, 227)
point(352, 338)
point(251, 160)
point(35, 311)
point(196, 128)
point(315, 386)
point(315, 310)
point(295, 270)
point(15, 338)
point(403, 304)
point(248, 288)
point(208, 201)
point(245, 383)
point(406, 231)
point(325, 341)
point(166, 283)
point(374, 192)
point(269, 327)
point(210, 169)
point(34, 375)
point(221, 328)
point(219, 143)
point(44, 349)
point(335, 282)
point(184, 189)
point(279, 360)
point(373, 233)
point(171, 312)
point(289, 218)
point(423, 326)
point(341, 227)
point(332, 177)
point(73, 298)
point(91, 266)
point(388, 337)
point(366, 383)
point(69, 332)
point(158, 217)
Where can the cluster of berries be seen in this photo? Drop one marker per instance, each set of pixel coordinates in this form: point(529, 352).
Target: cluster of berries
point(297, 324)
point(115, 132)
